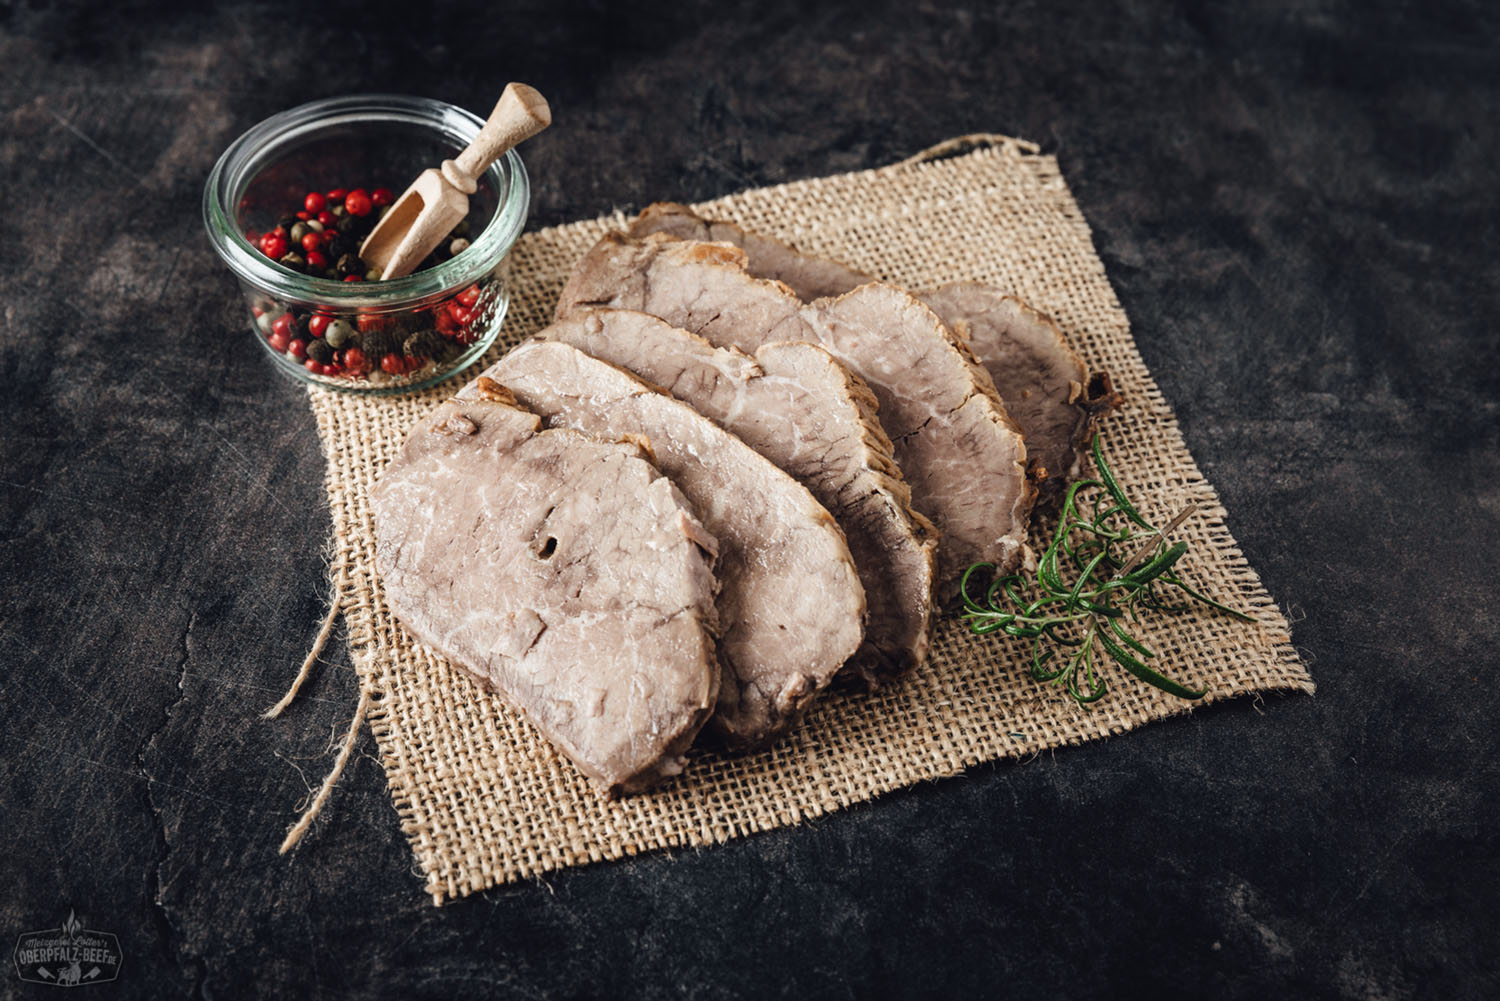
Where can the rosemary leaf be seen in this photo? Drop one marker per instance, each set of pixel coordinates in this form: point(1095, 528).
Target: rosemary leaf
point(1085, 590)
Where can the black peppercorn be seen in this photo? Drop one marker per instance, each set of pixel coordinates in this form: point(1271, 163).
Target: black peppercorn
point(350, 264)
point(294, 260)
point(286, 222)
point(319, 351)
point(423, 344)
point(348, 224)
point(340, 245)
point(377, 344)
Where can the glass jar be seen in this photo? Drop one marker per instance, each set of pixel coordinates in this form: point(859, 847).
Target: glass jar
point(425, 326)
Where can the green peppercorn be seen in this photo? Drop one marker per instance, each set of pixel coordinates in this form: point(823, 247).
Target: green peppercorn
point(339, 333)
point(458, 246)
point(373, 275)
point(298, 232)
point(319, 351)
point(314, 225)
point(293, 260)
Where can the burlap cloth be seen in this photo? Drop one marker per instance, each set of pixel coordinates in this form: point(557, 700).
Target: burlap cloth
point(485, 800)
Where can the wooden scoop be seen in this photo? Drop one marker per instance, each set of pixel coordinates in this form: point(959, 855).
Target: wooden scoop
point(439, 199)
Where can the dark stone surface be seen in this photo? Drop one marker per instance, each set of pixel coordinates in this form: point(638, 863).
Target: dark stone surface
point(1297, 203)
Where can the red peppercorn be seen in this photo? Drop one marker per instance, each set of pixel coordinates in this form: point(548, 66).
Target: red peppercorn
point(354, 278)
point(314, 202)
point(382, 197)
point(469, 296)
point(331, 369)
point(314, 367)
point(327, 218)
point(355, 360)
point(317, 259)
point(282, 325)
point(318, 323)
point(358, 202)
point(274, 245)
point(445, 323)
point(303, 216)
point(297, 348)
point(391, 364)
point(312, 241)
point(278, 341)
point(367, 322)
point(461, 314)
point(337, 194)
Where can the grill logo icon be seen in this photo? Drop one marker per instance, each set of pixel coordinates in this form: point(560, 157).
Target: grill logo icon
point(68, 956)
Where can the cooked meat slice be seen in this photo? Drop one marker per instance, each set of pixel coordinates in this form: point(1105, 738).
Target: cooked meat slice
point(657, 275)
point(790, 601)
point(797, 406)
point(809, 276)
point(566, 574)
point(1046, 388)
point(1045, 385)
point(962, 455)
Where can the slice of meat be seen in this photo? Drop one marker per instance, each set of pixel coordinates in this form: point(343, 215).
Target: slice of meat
point(566, 574)
point(807, 275)
point(962, 455)
point(1046, 388)
point(1045, 385)
point(790, 601)
point(797, 406)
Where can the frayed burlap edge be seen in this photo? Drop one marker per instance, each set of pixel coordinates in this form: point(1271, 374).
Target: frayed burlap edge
point(484, 800)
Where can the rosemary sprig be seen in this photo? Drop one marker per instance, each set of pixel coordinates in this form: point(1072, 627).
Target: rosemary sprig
point(1120, 566)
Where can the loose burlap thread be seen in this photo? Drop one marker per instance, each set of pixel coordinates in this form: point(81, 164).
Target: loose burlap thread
point(486, 800)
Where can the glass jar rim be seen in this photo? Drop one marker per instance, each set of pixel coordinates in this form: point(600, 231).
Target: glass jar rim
point(231, 174)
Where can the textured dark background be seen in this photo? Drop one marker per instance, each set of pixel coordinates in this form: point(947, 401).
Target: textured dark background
point(1297, 203)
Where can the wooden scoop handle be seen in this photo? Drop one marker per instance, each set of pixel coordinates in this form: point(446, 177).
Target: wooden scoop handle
point(520, 113)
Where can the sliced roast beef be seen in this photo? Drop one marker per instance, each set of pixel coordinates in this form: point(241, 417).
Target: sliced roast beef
point(566, 574)
point(797, 406)
point(962, 455)
point(1046, 388)
point(790, 601)
point(809, 276)
point(1045, 385)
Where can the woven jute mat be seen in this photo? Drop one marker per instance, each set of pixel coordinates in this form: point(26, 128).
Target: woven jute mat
point(485, 800)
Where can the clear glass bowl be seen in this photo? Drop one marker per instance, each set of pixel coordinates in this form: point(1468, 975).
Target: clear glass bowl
point(442, 318)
